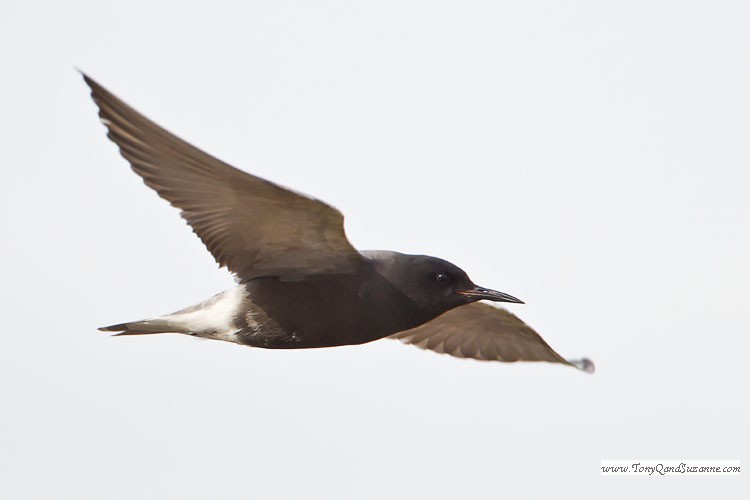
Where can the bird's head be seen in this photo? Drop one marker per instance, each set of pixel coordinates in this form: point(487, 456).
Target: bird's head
point(432, 283)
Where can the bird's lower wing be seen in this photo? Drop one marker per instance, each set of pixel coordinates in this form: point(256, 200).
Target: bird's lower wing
point(252, 226)
point(485, 332)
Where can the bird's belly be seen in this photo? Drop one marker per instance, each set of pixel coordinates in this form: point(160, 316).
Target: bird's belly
point(324, 312)
point(294, 330)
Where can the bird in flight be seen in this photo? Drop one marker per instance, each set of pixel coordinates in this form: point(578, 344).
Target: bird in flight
point(300, 283)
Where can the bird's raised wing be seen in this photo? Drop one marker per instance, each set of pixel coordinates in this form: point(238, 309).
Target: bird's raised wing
point(485, 332)
point(253, 227)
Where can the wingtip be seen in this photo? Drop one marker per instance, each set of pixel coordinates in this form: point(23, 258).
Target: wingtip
point(90, 83)
point(583, 364)
point(93, 85)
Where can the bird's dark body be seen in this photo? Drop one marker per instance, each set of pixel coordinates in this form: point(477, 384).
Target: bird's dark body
point(327, 310)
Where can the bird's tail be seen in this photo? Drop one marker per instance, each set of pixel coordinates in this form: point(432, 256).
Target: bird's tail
point(145, 327)
point(212, 319)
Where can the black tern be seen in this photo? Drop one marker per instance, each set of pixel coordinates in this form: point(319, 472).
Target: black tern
point(301, 284)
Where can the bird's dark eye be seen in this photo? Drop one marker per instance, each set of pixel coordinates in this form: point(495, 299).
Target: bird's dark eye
point(442, 278)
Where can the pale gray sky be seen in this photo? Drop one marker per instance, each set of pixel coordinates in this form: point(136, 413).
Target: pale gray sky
point(588, 157)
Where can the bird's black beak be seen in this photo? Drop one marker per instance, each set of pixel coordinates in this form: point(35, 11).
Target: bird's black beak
point(479, 293)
